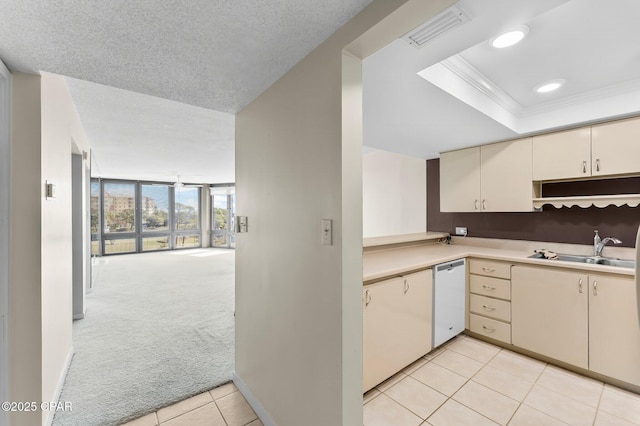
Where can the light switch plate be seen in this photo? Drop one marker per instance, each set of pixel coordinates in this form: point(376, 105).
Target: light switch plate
point(327, 232)
point(50, 190)
point(242, 224)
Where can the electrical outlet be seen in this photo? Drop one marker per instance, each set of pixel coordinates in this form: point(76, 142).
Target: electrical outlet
point(461, 230)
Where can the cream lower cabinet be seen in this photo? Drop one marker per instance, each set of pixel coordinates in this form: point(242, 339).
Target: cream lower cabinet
point(614, 333)
point(489, 299)
point(586, 320)
point(549, 313)
point(397, 325)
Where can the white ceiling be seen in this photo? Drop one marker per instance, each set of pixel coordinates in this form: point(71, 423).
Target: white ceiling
point(202, 60)
point(142, 137)
point(590, 43)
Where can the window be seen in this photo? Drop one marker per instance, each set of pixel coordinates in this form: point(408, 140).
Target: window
point(222, 216)
point(187, 208)
point(155, 207)
point(95, 217)
point(119, 207)
point(129, 217)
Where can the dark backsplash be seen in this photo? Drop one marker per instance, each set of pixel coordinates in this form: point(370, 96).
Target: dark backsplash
point(566, 225)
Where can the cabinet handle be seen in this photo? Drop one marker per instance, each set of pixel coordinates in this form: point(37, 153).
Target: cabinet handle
point(489, 308)
point(486, 269)
point(488, 329)
point(367, 298)
point(597, 164)
point(584, 167)
point(475, 204)
point(406, 286)
point(580, 285)
point(595, 288)
point(484, 204)
point(489, 288)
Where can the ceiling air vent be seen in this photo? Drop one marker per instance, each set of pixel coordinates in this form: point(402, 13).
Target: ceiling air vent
point(436, 26)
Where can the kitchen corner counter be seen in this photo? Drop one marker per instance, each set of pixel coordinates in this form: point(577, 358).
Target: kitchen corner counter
point(389, 262)
point(421, 237)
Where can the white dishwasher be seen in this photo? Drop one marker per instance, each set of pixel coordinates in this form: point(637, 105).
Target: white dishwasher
point(448, 300)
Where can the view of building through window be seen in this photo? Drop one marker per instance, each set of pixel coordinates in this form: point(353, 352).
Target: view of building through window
point(129, 217)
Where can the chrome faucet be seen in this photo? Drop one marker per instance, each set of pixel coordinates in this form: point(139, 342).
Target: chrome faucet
point(598, 244)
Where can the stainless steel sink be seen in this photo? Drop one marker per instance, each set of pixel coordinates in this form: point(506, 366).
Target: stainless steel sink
point(608, 261)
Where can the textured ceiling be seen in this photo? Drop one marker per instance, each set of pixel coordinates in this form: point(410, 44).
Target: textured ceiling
point(187, 66)
point(215, 54)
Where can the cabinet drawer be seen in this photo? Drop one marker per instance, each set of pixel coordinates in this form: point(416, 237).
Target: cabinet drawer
point(492, 308)
point(490, 328)
point(490, 268)
point(492, 287)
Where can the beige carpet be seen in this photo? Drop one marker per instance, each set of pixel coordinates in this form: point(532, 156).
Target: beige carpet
point(159, 327)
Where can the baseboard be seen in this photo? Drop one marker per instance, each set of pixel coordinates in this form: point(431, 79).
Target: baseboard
point(78, 316)
point(253, 402)
point(56, 396)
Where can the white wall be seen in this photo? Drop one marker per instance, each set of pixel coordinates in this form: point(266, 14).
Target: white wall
point(394, 194)
point(5, 135)
point(298, 160)
point(44, 122)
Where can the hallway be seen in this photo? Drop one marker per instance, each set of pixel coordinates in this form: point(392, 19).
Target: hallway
point(159, 328)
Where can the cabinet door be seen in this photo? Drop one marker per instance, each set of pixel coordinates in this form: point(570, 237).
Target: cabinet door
point(460, 180)
point(615, 147)
point(505, 170)
point(382, 307)
point(562, 155)
point(396, 325)
point(549, 313)
point(614, 333)
point(416, 322)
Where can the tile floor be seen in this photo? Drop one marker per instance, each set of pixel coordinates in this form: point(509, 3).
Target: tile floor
point(465, 382)
point(471, 382)
point(222, 406)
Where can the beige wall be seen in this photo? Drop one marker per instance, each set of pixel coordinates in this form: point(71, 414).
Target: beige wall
point(394, 193)
point(44, 122)
point(5, 163)
point(61, 130)
point(298, 160)
point(25, 310)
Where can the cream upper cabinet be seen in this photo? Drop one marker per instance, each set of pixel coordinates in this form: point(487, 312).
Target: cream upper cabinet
point(614, 333)
point(505, 176)
point(549, 313)
point(562, 155)
point(615, 147)
point(460, 180)
point(396, 325)
point(490, 178)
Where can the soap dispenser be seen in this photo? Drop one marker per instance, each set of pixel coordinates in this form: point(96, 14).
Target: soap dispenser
point(596, 243)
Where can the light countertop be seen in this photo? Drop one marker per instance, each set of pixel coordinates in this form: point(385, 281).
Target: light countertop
point(388, 262)
point(402, 239)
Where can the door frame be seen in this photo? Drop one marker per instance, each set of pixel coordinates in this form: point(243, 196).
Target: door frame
point(5, 183)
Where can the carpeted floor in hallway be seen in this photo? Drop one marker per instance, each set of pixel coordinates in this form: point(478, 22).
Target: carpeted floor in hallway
point(159, 327)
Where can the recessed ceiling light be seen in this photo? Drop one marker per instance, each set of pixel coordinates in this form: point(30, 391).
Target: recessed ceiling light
point(511, 37)
point(550, 86)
